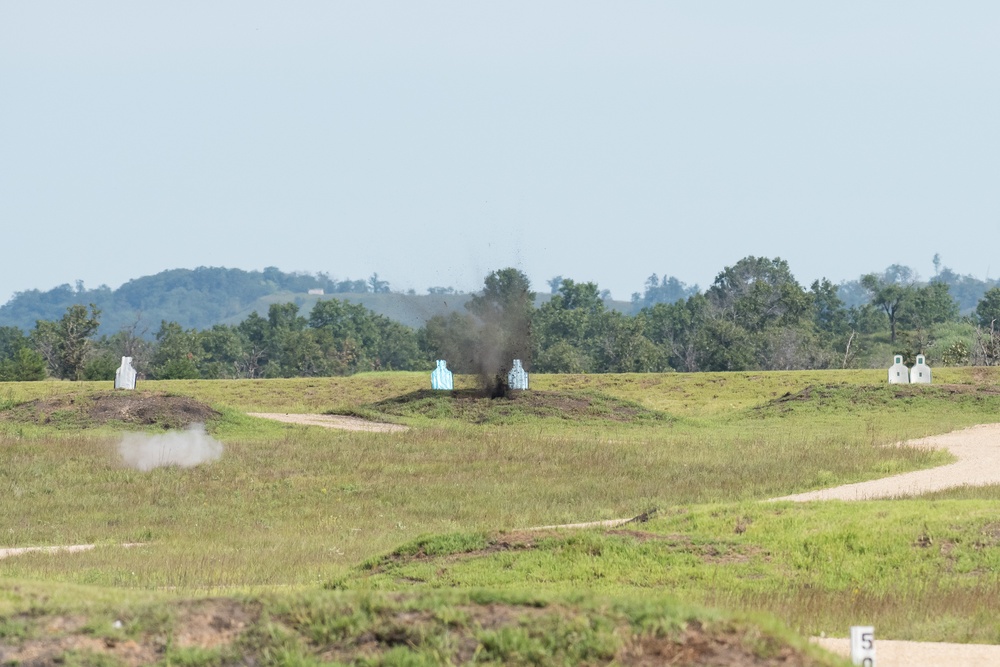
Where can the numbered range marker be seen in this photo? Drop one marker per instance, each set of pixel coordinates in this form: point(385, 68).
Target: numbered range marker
point(863, 645)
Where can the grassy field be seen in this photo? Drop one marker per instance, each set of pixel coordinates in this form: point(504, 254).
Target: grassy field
point(342, 517)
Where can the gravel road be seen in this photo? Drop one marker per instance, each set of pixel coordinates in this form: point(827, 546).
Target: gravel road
point(978, 452)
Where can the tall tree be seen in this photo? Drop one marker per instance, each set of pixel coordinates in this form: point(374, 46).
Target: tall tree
point(25, 366)
point(888, 295)
point(12, 340)
point(378, 286)
point(564, 329)
point(829, 313)
point(65, 343)
point(929, 304)
point(757, 292)
point(178, 353)
point(18, 362)
point(676, 328)
point(224, 352)
point(988, 309)
point(666, 290)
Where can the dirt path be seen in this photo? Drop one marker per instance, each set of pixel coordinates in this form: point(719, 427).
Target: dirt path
point(892, 653)
point(69, 548)
point(332, 421)
point(978, 452)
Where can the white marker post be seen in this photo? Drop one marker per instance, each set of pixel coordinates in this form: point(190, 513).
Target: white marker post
point(863, 645)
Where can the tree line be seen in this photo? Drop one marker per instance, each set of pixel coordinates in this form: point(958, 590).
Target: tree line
point(754, 316)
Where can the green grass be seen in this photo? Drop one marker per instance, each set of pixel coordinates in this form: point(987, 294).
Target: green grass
point(292, 508)
point(432, 628)
point(915, 569)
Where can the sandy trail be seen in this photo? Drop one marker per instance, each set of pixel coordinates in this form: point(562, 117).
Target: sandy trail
point(69, 548)
point(977, 449)
point(332, 421)
point(893, 653)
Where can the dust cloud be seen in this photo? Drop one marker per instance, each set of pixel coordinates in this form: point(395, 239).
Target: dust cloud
point(186, 448)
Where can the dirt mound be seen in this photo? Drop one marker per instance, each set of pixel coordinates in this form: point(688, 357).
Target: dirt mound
point(228, 631)
point(474, 406)
point(849, 396)
point(129, 408)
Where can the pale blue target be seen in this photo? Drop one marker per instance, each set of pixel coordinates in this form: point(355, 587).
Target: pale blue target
point(517, 378)
point(441, 377)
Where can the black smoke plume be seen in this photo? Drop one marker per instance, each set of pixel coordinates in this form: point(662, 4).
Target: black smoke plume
point(496, 331)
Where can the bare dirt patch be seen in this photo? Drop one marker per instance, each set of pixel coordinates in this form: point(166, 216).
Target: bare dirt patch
point(213, 623)
point(726, 648)
point(133, 408)
point(342, 422)
point(208, 624)
point(55, 650)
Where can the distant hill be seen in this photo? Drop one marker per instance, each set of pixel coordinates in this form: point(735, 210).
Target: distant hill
point(196, 298)
point(199, 298)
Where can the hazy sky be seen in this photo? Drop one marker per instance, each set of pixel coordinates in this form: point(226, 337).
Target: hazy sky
point(433, 142)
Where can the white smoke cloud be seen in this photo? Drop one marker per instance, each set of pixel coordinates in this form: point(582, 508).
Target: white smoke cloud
point(185, 448)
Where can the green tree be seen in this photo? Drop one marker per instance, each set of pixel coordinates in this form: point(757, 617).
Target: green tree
point(988, 310)
point(100, 367)
point(65, 344)
point(224, 351)
point(829, 314)
point(754, 306)
point(622, 346)
point(676, 329)
point(666, 290)
point(24, 366)
point(565, 329)
point(177, 354)
point(12, 339)
point(45, 341)
point(929, 305)
point(758, 292)
point(354, 339)
point(291, 348)
point(254, 332)
point(890, 296)
point(378, 286)
point(506, 294)
point(723, 345)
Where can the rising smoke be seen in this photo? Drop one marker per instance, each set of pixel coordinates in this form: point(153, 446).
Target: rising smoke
point(184, 448)
point(502, 330)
